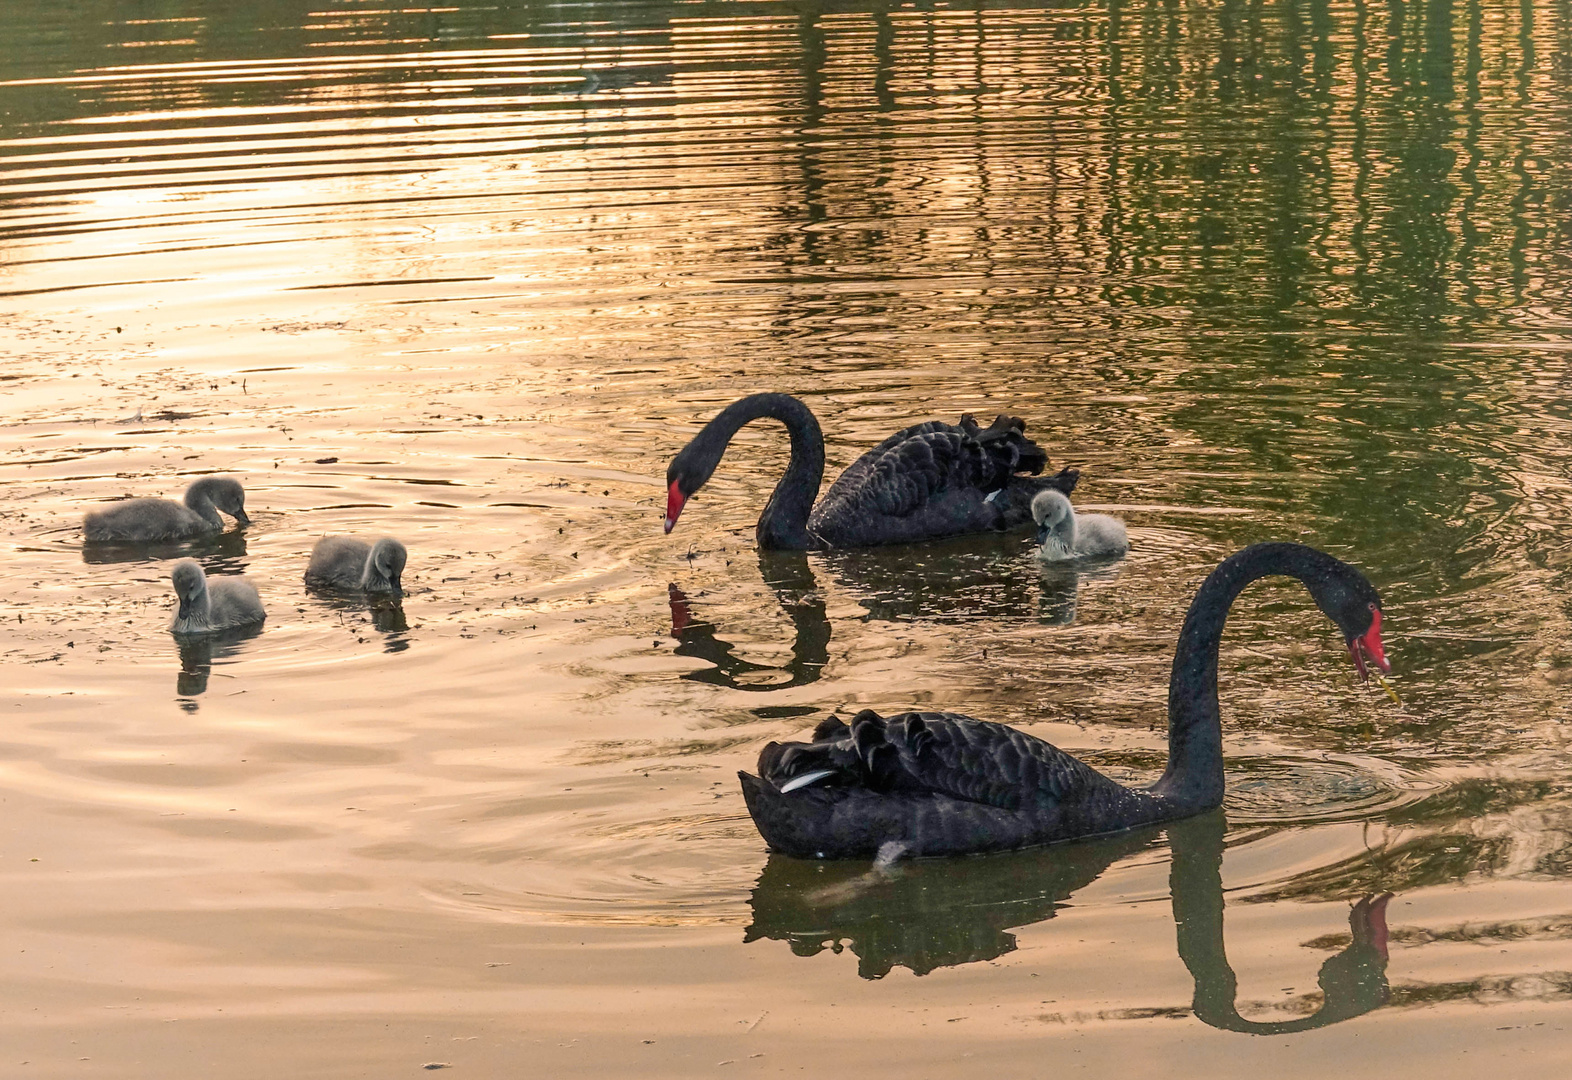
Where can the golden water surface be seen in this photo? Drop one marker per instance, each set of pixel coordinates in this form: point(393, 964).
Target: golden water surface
point(470, 274)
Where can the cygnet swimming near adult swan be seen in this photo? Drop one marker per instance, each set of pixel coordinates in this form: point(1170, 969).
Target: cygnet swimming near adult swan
point(925, 482)
point(1064, 534)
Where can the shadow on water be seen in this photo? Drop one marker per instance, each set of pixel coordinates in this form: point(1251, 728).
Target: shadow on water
point(797, 591)
point(197, 654)
point(929, 914)
point(219, 553)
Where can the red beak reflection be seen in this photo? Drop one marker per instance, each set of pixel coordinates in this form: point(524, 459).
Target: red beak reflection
point(1367, 647)
point(674, 502)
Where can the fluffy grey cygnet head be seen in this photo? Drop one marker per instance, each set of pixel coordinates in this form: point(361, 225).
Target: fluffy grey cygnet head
point(191, 590)
point(1055, 519)
point(223, 492)
point(385, 567)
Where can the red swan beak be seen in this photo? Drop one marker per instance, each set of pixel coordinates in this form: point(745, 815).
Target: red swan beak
point(1368, 647)
point(674, 503)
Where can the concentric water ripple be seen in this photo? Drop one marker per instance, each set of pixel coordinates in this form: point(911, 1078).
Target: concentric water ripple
point(1290, 791)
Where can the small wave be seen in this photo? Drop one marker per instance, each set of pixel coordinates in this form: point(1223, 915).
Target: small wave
point(1287, 791)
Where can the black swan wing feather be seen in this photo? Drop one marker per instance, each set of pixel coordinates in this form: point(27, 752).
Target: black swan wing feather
point(930, 784)
point(907, 471)
point(935, 754)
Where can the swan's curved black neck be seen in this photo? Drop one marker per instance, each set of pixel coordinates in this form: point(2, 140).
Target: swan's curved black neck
point(784, 523)
point(1194, 777)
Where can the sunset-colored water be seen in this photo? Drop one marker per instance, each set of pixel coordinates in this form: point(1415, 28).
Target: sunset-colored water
point(471, 274)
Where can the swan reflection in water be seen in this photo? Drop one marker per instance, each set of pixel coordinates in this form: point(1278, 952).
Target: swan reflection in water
point(797, 591)
point(935, 913)
point(197, 654)
point(977, 577)
point(964, 579)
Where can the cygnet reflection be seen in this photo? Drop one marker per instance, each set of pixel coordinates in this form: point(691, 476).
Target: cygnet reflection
point(1064, 534)
point(351, 605)
point(1061, 588)
point(141, 521)
point(343, 562)
point(214, 549)
point(198, 653)
point(208, 606)
point(387, 616)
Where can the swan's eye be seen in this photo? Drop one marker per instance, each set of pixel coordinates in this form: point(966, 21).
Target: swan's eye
point(1371, 606)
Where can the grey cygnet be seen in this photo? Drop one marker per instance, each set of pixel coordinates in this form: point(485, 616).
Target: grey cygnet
point(146, 520)
point(208, 606)
point(1064, 534)
point(346, 563)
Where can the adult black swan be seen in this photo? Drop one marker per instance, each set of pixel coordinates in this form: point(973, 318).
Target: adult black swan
point(944, 784)
point(929, 480)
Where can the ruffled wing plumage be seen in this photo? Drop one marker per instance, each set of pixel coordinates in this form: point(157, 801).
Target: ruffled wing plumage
point(934, 783)
point(934, 479)
point(934, 754)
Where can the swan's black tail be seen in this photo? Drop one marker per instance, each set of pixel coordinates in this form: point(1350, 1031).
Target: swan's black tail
point(830, 759)
point(1006, 443)
point(859, 755)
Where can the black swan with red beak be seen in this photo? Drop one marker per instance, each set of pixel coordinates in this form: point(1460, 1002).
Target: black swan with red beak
point(925, 783)
point(927, 481)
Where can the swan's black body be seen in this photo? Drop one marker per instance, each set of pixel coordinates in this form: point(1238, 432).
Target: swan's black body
point(944, 784)
point(927, 481)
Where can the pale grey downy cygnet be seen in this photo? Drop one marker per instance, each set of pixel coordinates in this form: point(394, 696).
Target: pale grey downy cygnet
point(146, 520)
point(346, 563)
point(1064, 534)
point(207, 606)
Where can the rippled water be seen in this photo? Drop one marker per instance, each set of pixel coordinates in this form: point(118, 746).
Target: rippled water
point(470, 274)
